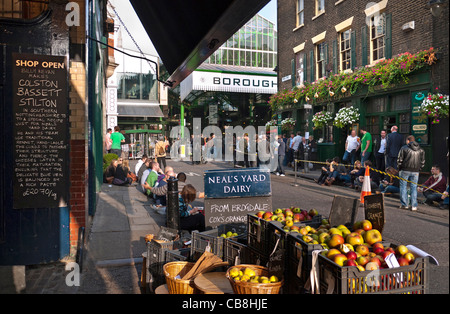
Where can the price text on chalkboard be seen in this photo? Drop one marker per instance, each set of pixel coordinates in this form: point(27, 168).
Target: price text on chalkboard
point(374, 210)
point(41, 120)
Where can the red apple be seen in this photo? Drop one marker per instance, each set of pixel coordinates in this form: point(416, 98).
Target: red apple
point(308, 217)
point(339, 259)
point(410, 257)
point(267, 215)
point(354, 239)
point(385, 254)
point(389, 249)
point(378, 251)
point(351, 255)
point(304, 212)
point(372, 236)
point(362, 249)
point(335, 240)
point(360, 231)
point(402, 261)
point(296, 217)
point(377, 245)
point(366, 225)
point(288, 213)
point(362, 260)
point(376, 259)
point(350, 262)
point(313, 212)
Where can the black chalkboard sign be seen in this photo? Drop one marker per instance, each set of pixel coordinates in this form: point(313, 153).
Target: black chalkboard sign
point(343, 211)
point(167, 234)
point(224, 211)
point(41, 131)
point(276, 264)
point(374, 210)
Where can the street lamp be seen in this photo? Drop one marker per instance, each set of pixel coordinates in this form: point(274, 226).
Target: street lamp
point(436, 7)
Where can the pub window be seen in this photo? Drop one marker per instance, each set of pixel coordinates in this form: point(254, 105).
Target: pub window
point(300, 12)
point(345, 47)
point(400, 102)
point(18, 9)
point(376, 105)
point(299, 66)
point(321, 60)
point(320, 6)
point(377, 37)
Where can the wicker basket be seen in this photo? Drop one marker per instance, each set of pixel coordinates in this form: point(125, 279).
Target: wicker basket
point(178, 286)
point(240, 287)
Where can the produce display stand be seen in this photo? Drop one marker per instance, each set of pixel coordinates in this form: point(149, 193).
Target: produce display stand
point(212, 239)
point(268, 247)
point(411, 279)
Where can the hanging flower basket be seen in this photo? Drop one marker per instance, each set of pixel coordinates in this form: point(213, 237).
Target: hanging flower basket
point(435, 107)
point(271, 123)
point(346, 116)
point(287, 124)
point(322, 118)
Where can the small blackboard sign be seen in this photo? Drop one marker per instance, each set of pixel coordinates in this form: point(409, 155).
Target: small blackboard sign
point(167, 234)
point(374, 210)
point(276, 263)
point(41, 131)
point(343, 211)
point(223, 211)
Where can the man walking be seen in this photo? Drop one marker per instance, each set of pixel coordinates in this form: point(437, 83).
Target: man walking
point(394, 141)
point(411, 160)
point(366, 145)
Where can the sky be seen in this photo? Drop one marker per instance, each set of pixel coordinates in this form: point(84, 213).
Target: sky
point(126, 12)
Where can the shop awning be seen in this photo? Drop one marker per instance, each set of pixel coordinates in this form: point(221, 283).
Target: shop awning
point(186, 32)
point(139, 110)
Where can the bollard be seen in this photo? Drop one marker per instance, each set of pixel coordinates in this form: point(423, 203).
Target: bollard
point(173, 207)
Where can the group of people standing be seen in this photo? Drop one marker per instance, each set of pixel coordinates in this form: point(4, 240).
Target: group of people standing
point(399, 161)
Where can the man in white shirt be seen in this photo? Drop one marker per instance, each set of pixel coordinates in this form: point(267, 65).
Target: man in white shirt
point(296, 141)
point(352, 145)
point(380, 151)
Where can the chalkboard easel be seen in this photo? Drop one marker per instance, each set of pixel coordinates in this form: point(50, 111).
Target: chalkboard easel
point(343, 211)
point(374, 210)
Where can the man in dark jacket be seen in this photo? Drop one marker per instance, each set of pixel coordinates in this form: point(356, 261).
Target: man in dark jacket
point(411, 160)
point(394, 142)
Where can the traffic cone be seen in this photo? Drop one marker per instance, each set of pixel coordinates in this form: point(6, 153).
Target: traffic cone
point(366, 190)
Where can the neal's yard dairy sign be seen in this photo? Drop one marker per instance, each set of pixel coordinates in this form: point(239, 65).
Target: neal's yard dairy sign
point(232, 194)
point(237, 183)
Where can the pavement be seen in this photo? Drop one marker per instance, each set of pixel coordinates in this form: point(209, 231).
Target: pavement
point(115, 241)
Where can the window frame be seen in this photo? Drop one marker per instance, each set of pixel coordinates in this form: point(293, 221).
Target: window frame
point(374, 36)
point(320, 63)
point(346, 50)
point(300, 12)
point(317, 4)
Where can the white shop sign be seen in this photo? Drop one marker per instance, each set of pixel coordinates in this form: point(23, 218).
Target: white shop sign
point(229, 82)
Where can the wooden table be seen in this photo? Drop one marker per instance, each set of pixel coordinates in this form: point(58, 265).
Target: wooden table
point(213, 283)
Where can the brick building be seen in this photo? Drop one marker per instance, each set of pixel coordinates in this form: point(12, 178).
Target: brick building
point(318, 38)
point(52, 168)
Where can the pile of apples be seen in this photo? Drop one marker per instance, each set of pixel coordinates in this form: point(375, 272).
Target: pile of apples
point(288, 216)
point(227, 235)
point(361, 247)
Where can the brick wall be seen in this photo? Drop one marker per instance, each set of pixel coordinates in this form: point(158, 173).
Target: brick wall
point(428, 31)
point(78, 136)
